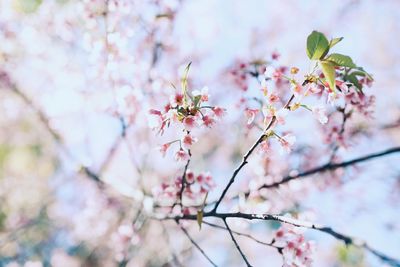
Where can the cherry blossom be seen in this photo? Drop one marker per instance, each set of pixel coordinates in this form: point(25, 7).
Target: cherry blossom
point(287, 141)
point(219, 112)
point(91, 98)
point(251, 114)
point(203, 94)
point(296, 250)
point(181, 155)
point(320, 113)
point(163, 148)
point(196, 186)
point(188, 140)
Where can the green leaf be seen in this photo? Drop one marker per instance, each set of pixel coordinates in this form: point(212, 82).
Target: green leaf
point(328, 68)
point(359, 73)
point(27, 6)
point(341, 60)
point(317, 45)
point(334, 41)
point(353, 79)
point(366, 73)
point(184, 79)
point(196, 100)
point(199, 218)
point(200, 212)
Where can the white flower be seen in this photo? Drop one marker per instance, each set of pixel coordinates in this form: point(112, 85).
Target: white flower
point(203, 93)
point(320, 113)
point(287, 141)
point(281, 115)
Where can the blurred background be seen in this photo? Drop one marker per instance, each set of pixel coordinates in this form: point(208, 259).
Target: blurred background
point(78, 160)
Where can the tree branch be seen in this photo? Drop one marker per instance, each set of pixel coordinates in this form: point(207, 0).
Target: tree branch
point(298, 223)
point(247, 155)
point(195, 244)
point(332, 166)
point(270, 244)
point(236, 244)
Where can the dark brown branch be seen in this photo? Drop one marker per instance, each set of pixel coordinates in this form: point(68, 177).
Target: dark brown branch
point(247, 155)
point(195, 244)
point(322, 168)
point(270, 244)
point(183, 182)
point(242, 164)
point(236, 244)
point(333, 166)
point(298, 223)
point(336, 146)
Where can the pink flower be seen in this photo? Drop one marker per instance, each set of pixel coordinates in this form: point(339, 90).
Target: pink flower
point(275, 55)
point(287, 141)
point(320, 113)
point(181, 155)
point(209, 181)
point(313, 89)
point(367, 81)
point(157, 123)
point(297, 89)
point(277, 75)
point(342, 86)
point(203, 93)
point(281, 116)
point(264, 146)
point(296, 250)
point(332, 96)
point(189, 122)
point(189, 177)
point(200, 178)
point(251, 114)
point(205, 181)
point(188, 140)
point(176, 100)
point(273, 98)
point(155, 112)
point(218, 111)
point(208, 120)
point(163, 148)
point(268, 113)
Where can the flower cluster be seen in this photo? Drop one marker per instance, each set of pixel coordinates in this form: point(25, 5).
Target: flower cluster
point(361, 102)
point(190, 111)
point(241, 72)
point(195, 187)
point(296, 250)
point(337, 79)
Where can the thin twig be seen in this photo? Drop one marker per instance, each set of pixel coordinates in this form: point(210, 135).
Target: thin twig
point(333, 166)
point(195, 244)
point(236, 244)
point(319, 169)
point(247, 155)
point(336, 146)
point(298, 223)
point(270, 244)
point(183, 182)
